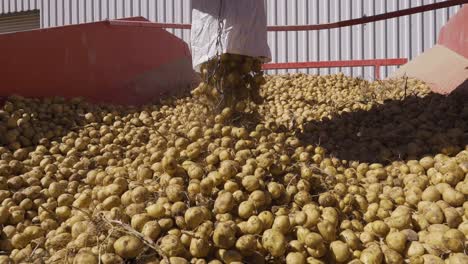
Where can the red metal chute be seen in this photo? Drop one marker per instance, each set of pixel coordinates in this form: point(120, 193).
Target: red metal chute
point(445, 66)
point(98, 61)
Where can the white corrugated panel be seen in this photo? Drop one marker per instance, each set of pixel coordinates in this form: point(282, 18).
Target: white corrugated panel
point(403, 37)
point(19, 21)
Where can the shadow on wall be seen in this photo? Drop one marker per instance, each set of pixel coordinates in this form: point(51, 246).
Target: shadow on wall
point(395, 130)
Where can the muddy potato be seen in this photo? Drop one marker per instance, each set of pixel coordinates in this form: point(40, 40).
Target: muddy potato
point(457, 258)
point(340, 251)
point(128, 247)
point(224, 235)
point(199, 247)
point(110, 258)
point(295, 257)
point(86, 257)
point(396, 241)
point(350, 238)
point(282, 224)
point(151, 230)
point(230, 188)
point(372, 255)
point(327, 230)
point(224, 203)
point(274, 242)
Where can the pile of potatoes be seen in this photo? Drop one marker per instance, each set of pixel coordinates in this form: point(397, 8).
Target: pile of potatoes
point(231, 81)
point(174, 183)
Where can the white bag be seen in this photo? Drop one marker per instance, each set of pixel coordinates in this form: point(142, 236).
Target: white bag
point(244, 29)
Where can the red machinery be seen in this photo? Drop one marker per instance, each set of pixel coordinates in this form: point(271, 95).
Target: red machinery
point(99, 61)
point(445, 66)
point(134, 61)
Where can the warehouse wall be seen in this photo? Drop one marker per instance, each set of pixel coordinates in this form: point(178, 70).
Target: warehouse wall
point(404, 37)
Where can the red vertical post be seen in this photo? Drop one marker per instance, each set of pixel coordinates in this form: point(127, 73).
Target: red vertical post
point(377, 71)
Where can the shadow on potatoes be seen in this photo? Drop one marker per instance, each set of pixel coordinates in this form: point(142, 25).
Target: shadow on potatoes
point(395, 130)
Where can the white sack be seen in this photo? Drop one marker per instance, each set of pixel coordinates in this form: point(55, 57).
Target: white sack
point(244, 31)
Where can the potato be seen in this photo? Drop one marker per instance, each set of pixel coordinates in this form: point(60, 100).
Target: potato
point(431, 259)
point(134, 209)
point(391, 256)
point(414, 249)
point(274, 242)
point(83, 240)
point(367, 237)
point(372, 255)
point(434, 242)
point(177, 260)
point(431, 194)
point(340, 251)
point(454, 240)
point(139, 220)
point(452, 217)
point(301, 233)
point(312, 239)
point(171, 246)
point(224, 203)
point(246, 209)
point(246, 244)
point(267, 219)
point(463, 227)
point(224, 235)
point(457, 258)
point(140, 194)
point(229, 188)
point(313, 216)
point(229, 256)
point(199, 248)
point(110, 258)
point(111, 202)
point(251, 183)
point(327, 230)
point(4, 214)
point(19, 256)
point(33, 232)
point(5, 259)
point(295, 257)
point(282, 224)
point(434, 214)
point(299, 219)
point(151, 230)
point(20, 241)
point(453, 197)
point(175, 192)
point(205, 229)
point(194, 216)
point(396, 241)
point(380, 228)
point(350, 238)
point(275, 189)
point(156, 210)
point(128, 247)
point(260, 198)
point(85, 257)
point(317, 252)
point(327, 200)
point(330, 214)
point(58, 241)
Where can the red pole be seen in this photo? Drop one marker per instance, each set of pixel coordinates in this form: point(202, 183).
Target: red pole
point(377, 71)
point(332, 64)
point(345, 23)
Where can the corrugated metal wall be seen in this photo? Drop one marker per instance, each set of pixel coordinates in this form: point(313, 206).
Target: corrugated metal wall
point(19, 21)
point(403, 37)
